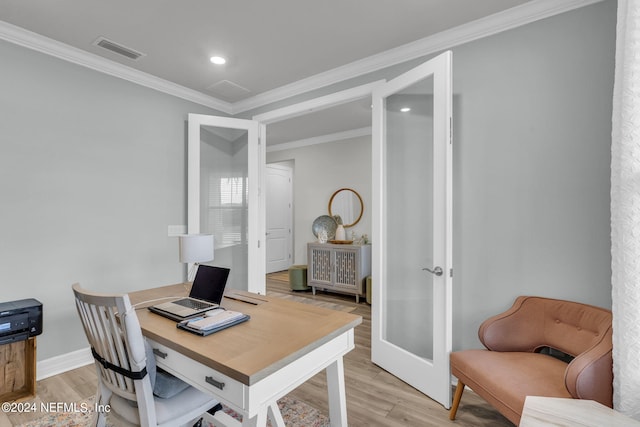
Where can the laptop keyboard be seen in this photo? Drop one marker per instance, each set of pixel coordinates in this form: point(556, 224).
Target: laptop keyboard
point(194, 304)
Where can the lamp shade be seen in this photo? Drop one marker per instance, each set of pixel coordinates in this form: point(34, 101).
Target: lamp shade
point(196, 248)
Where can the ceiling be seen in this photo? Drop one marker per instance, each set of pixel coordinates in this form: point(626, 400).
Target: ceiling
point(274, 48)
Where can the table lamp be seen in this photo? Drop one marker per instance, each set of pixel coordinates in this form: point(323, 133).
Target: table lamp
point(195, 248)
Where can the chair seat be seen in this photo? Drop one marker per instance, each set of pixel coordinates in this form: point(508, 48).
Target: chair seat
point(490, 373)
point(185, 406)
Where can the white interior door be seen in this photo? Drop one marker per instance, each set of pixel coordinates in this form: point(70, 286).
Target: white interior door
point(279, 203)
point(224, 184)
point(412, 254)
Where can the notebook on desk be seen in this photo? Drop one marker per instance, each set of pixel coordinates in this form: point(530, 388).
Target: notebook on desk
point(213, 321)
point(206, 294)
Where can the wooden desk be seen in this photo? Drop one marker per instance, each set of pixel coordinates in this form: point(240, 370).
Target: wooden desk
point(248, 367)
point(554, 411)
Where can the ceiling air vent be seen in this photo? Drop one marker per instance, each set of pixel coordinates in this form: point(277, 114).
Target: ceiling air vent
point(228, 91)
point(118, 48)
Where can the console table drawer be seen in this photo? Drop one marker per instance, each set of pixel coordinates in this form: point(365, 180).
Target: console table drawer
point(224, 388)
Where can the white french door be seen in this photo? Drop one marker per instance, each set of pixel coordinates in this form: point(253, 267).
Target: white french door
point(412, 225)
point(224, 180)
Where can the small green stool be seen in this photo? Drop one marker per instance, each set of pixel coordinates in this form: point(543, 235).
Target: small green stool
point(298, 277)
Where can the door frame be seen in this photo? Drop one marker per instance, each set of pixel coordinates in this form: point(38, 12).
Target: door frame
point(300, 109)
point(256, 126)
point(385, 354)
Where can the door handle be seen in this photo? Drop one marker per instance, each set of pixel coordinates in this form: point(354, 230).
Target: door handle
point(437, 271)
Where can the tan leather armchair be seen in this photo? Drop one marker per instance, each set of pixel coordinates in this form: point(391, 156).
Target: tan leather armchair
point(515, 363)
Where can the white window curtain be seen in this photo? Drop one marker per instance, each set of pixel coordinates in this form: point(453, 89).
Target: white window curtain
point(625, 211)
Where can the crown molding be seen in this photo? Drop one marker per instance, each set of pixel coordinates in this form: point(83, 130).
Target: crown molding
point(42, 44)
point(511, 18)
point(493, 24)
point(332, 137)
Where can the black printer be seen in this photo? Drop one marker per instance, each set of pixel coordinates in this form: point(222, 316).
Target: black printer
point(20, 320)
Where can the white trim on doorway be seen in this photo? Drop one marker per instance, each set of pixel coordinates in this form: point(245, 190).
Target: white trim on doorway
point(332, 137)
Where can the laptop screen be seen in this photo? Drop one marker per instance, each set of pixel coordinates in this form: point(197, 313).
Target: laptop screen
point(209, 283)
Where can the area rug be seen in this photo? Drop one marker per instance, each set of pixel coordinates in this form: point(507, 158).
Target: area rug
point(295, 413)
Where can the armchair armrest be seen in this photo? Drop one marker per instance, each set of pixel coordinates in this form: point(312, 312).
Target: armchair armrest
point(590, 374)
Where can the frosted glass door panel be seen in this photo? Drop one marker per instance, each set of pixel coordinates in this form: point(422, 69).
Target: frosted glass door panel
point(412, 256)
point(224, 203)
point(409, 320)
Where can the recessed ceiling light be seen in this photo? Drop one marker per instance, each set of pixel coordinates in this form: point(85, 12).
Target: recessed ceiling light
point(405, 109)
point(218, 60)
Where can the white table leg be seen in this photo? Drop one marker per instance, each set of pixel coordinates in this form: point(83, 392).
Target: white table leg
point(275, 416)
point(337, 394)
point(259, 420)
point(272, 411)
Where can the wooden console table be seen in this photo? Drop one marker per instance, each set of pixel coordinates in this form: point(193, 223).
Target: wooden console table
point(338, 268)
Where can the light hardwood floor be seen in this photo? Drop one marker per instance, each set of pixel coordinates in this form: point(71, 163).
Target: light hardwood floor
point(374, 397)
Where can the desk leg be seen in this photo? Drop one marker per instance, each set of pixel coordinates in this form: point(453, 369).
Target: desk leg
point(259, 420)
point(272, 411)
point(275, 416)
point(337, 395)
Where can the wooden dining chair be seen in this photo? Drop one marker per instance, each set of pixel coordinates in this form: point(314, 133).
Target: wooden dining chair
point(123, 366)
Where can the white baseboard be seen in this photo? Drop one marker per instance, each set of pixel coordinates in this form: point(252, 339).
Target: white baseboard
point(63, 363)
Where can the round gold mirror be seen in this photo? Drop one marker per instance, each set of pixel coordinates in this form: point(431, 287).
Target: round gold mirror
point(347, 204)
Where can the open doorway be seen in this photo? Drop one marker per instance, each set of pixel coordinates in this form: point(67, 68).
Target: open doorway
point(329, 139)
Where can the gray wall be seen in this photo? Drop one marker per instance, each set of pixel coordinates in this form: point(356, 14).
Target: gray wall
point(532, 165)
point(318, 171)
point(92, 171)
point(532, 136)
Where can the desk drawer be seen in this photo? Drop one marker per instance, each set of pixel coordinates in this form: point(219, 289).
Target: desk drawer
point(224, 388)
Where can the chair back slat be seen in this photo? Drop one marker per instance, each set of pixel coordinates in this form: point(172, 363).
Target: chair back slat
point(103, 319)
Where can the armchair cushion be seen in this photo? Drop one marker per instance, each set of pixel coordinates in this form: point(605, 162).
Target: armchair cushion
point(504, 380)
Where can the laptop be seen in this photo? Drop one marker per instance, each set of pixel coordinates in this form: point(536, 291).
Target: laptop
point(206, 294)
